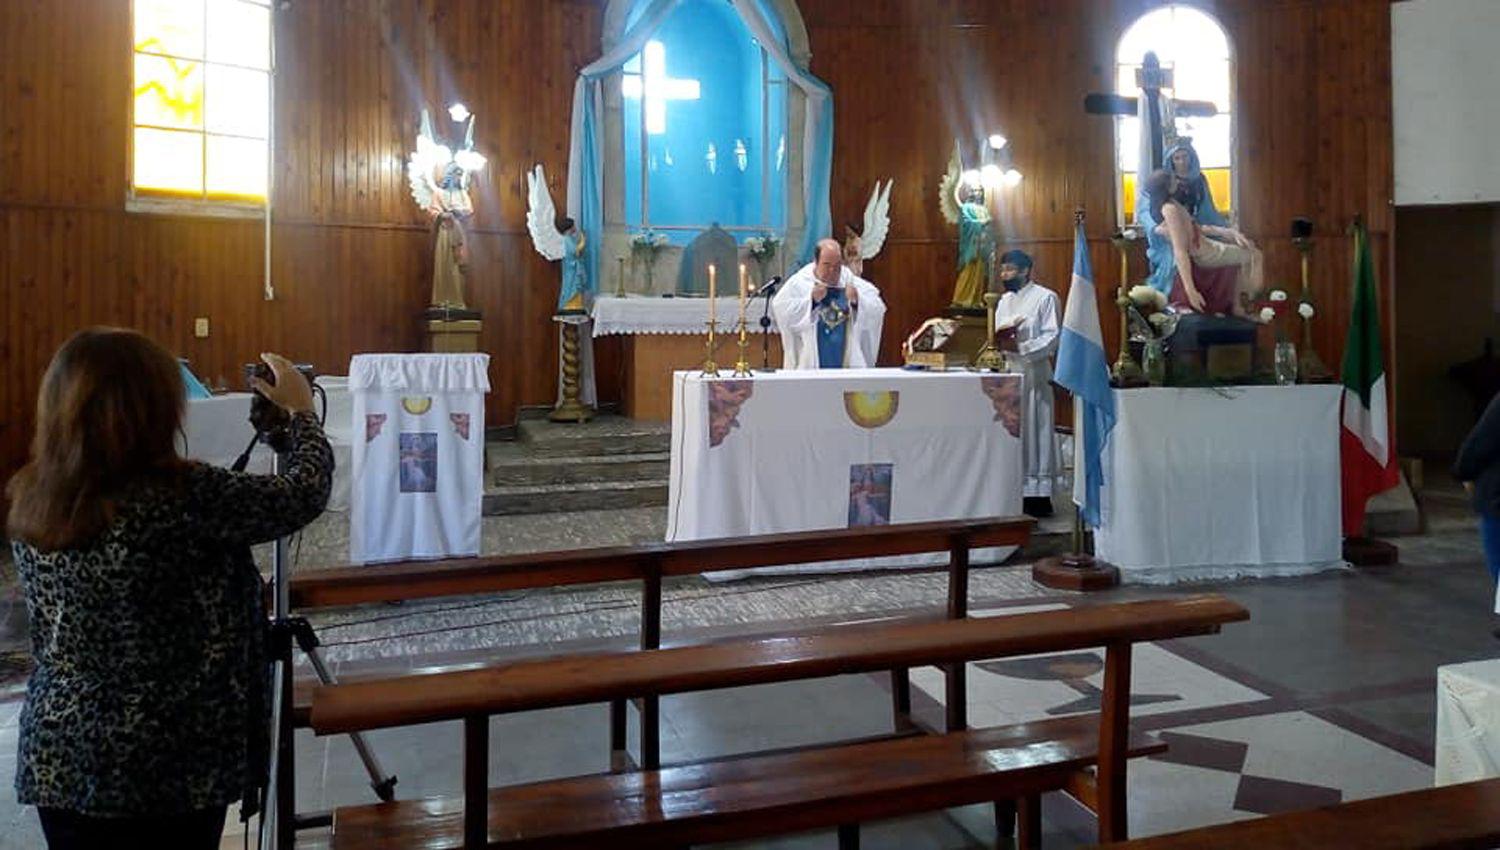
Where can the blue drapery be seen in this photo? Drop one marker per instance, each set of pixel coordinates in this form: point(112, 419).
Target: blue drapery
point(586, 165)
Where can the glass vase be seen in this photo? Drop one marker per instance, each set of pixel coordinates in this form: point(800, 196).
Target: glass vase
point(1286, 363)
point(1154, 363)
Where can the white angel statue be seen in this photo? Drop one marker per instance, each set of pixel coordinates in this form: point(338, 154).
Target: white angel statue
point(439, 181)
point(867, 243)
point(557, 238)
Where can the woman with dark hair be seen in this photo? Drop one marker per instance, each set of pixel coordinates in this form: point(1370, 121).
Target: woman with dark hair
point(1214, 264)
point(147, 713)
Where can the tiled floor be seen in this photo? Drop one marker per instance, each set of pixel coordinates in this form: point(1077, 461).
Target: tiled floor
point(1327, 693)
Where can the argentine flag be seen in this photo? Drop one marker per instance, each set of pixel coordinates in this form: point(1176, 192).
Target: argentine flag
point(1083, 371)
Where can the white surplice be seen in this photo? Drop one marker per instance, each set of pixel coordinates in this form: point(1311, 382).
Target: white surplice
point(1036, 341)
point(799, 330)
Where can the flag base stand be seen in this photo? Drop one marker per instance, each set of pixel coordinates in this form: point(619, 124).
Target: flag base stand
point(1076, 570)
point(1369, 552)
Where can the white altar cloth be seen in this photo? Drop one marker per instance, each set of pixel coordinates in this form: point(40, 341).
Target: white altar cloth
point(1468, 722)
point(1204, 483)
point(639, 314)
point(217, 429)
point(839, 448)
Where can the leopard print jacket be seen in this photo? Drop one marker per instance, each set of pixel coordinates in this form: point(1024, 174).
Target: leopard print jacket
point(150, 689)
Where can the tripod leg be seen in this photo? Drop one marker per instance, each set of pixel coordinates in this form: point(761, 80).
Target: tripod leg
point(383, 784)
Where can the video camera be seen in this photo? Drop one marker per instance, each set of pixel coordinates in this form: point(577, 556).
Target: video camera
point(271, 423)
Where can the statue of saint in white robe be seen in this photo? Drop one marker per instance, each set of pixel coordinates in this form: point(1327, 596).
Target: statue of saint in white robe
point(1036, 343)
point(798, 321)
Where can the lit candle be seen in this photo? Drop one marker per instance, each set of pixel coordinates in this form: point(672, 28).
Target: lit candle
point(713, 273)
point(744, 282)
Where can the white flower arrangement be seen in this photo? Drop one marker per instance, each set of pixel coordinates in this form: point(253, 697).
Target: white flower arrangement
point(1147, 298)
point(1278, 295)
point(1267, 315)
point(762, 247)
point(1305, 310)
point(648, 240)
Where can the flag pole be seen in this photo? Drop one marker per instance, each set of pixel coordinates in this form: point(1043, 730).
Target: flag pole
point(1076, 570)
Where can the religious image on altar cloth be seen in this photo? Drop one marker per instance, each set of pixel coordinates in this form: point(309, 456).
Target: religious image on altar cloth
point(869, 494)
point(829, 317)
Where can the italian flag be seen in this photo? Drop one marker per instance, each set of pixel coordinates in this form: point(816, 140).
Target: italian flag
point(1366, 449)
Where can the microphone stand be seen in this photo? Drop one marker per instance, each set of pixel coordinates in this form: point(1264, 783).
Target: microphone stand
point(765, 323)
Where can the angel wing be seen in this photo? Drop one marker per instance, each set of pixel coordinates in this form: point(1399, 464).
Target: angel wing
point(877, 221)
point(948, 186)
point(541, 216)
point(420, 163)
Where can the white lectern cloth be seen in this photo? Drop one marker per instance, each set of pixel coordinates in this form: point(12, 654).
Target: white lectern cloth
point(418, 455)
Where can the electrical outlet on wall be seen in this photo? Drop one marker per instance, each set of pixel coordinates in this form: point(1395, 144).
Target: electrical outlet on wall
point(200, 327)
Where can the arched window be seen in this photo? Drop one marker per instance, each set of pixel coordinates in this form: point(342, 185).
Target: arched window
point(1195, 49)
point(704, 127)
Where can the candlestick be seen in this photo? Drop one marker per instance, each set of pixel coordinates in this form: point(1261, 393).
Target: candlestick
point(1126, 371)
point(710, 368)
point(989, 358)
point(620, 278)
point(713, 273)
point(742, 365)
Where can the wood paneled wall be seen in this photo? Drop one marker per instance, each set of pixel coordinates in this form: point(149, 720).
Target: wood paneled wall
point(351, 254)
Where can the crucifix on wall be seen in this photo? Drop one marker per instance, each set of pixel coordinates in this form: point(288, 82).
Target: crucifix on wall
point(1161, 114)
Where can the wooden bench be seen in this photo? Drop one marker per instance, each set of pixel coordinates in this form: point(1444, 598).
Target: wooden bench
point(649, 564)
point(759, 795)
point(1454, 817)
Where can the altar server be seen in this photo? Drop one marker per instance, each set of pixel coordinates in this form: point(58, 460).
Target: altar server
point(1035, 307)
point(829, 317)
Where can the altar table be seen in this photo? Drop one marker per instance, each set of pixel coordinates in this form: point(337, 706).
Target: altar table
point(663, 335)
point(839, 448)
point(1203, 483)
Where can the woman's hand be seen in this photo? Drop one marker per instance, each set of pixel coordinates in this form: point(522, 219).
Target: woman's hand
point(291, 391)
point(1194, 298)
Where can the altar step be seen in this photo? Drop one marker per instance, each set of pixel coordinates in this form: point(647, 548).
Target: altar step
point(609, 463)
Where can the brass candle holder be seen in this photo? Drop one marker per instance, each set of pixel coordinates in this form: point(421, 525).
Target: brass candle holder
point(1126, 371)
point(989, 358)
point(710, 368)
point(620, 278)
point(742, 365)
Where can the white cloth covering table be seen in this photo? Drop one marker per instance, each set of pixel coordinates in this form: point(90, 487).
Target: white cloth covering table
point(1203, 483)
point(1468, 722)
point(655, 315)
point(217, 429)
point(838, 448)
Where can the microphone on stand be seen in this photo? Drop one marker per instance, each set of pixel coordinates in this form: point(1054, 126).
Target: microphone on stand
point(767, 289)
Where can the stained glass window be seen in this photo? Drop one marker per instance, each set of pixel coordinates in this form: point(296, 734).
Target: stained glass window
point(202, 98)
point(1195, 48)
point(705, 127)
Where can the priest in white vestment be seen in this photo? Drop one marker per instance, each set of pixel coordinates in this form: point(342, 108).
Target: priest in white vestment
point(829, 317)
point(1035, 306)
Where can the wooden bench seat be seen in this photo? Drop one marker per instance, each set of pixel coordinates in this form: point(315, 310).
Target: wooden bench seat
point(773, 793)
point(753, 796)
point(1454, 817)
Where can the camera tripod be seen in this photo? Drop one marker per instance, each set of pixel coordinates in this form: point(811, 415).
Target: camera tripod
point(278, 819)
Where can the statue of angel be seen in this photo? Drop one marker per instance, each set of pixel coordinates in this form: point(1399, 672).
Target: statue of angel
point(964, 202)
point(439, 181)
point(557, 238)
point(866, 244)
